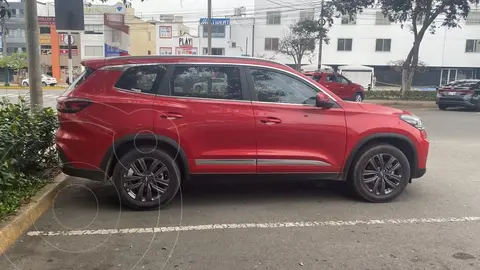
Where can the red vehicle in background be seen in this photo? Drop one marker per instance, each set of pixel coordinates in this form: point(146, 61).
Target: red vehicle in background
point(339, 85)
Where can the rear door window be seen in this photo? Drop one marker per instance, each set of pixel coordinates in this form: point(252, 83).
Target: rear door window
point(141, 79)
point(214, 82)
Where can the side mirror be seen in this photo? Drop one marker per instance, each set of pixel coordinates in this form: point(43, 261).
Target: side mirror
point(323, 101)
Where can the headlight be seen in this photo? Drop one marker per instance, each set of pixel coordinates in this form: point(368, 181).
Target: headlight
point(412, 120)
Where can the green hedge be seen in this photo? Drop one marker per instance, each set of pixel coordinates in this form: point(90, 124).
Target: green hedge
point(28, 153)
point(396, 95)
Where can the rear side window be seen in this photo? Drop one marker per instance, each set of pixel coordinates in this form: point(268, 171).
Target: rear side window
point(77, 81)
point(141, 79)
point(207, 82)
point(317, 77)
point(331, 78)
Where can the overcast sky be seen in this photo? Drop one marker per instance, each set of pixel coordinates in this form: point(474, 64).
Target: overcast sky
point(191, 10)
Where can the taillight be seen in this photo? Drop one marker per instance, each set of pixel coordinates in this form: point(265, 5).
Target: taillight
point(72, 105)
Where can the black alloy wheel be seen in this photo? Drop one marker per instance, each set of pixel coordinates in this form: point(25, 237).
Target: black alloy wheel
point(146, 178)
point(380, 173)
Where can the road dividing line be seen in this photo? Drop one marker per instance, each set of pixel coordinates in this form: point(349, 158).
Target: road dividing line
point(273, 225)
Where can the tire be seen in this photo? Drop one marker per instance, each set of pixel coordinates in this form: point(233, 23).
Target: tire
point(123, 167)
point(363, 165)
point(198, 88)
point(44, 84)
point(358, 97)
point(25, 84)
point(442, 107)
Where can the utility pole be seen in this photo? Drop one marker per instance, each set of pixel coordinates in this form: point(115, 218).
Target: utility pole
point(209, 27)
point(321, 22)
point(4, 53)
point(253, 37)
point(70, 61)
point(33, 49)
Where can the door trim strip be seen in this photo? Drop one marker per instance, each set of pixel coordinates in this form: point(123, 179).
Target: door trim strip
point(299, 162)
point(290, 162)
point(225, 162)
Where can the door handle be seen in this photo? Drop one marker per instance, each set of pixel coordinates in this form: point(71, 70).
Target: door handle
point(171, 116)
point(270, 120)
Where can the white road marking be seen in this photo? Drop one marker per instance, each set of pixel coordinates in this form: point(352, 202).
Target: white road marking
point(273, 225)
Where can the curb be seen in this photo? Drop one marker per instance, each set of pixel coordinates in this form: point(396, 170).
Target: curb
point(406, 103)
point(26, 216)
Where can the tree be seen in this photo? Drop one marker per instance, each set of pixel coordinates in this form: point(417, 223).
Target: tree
point(299, 41)
point(17, 61)
point(420, 16)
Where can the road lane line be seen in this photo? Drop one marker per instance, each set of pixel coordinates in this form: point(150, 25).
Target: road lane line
point(272, 225)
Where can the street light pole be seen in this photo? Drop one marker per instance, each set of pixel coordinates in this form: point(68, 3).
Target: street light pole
point(209, 27)
point(321, 21)
point(33, 49)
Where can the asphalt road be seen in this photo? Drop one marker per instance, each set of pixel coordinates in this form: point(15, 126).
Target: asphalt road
point(435, 224)
point(49, 96)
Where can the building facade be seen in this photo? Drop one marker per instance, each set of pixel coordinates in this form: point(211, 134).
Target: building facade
point(143, 34)
point(16, 34)
point(174, 38)
point(372, 40)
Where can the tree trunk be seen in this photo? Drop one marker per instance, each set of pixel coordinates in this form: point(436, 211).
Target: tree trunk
point(407, 79)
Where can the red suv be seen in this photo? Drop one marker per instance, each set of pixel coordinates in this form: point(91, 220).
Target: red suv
point(339, 85)
point(150, 123)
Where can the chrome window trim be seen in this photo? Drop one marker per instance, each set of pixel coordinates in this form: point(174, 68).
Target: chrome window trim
point(230, 64)
point(216, 99)
point(132, 92)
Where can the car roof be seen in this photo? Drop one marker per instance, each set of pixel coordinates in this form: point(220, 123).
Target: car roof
point(179, 59)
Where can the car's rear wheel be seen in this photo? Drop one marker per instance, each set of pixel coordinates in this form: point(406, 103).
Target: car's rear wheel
point(198, 88)
point(380, 173)
point(358, 97)
point(25, 84)
point(442, 107)
point(146, 179)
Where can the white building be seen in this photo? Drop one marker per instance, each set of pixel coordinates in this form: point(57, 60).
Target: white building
point(173, 37)
point(371, 40)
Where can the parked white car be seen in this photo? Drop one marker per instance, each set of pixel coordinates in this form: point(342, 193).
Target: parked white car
point(46, 80)
point(217, 84)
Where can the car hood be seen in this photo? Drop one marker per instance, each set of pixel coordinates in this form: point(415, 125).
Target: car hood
point(378, 109)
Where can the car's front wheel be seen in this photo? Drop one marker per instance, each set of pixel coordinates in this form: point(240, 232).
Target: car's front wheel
point(25, 84)
point(146, 179)
point(44, 83)
point(358, 97)
point(380, 173)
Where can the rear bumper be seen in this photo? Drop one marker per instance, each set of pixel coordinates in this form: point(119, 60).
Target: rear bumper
point(419, 173)
point(456, 102)
point(68, 168)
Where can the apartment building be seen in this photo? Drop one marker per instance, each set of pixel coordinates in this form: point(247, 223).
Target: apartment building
point(371, 40)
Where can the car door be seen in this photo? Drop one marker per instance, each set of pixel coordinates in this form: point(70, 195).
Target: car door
point(294, 136)
point(213, 125)
point(331, 83)
point(346, 88)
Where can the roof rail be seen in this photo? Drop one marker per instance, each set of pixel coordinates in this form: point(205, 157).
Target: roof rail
point(197, 56)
